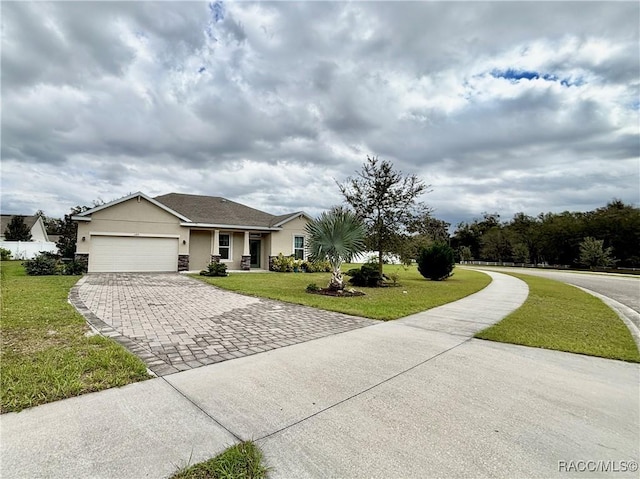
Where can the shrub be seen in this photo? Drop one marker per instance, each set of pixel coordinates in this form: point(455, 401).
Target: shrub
point(283, 264)
point(368, 275)
point(74, 268)
point(436, 262)
point(394, 277)
point(312, 288)
point(5, 254)
point(215, 269)
point(42, 265)
point(317, 266)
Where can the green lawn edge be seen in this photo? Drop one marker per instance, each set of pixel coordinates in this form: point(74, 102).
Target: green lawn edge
point(562, 317)
point(46, 352)
point(412, 295)
point(240, 461)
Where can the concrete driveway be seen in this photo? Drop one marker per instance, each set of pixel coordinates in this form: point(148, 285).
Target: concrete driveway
point(416, 397)
point(174, 323)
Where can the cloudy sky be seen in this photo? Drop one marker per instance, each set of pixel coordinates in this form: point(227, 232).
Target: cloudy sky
point(499, 106)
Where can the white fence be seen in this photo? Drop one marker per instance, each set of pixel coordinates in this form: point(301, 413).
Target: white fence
point(28, 249)
point(364, 257)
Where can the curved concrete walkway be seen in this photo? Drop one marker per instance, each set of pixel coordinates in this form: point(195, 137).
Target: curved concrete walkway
point(415, 397)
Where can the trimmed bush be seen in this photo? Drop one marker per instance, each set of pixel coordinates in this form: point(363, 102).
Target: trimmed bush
point(436, 262)
point(368, 275)
point(215, 269)
point(316, 266)
point(5, 254)
point(312, 288)
point(74, 268)
point(42, 265)
point(283, 264)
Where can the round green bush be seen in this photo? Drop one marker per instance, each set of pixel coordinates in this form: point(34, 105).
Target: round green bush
point(436, 262)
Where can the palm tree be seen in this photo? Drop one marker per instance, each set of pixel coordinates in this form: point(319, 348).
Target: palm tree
point(335, 236)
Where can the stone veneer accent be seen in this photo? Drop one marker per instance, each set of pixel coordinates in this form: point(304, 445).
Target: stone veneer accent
point(183, 262)
point(245, 264)
point(84, 259)
point(215, 258)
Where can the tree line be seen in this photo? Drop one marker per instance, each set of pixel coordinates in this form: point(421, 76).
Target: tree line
point(606, 236)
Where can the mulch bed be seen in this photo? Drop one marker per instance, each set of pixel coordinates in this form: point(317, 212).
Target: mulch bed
point(343, 293)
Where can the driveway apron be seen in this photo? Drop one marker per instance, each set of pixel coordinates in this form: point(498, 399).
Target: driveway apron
point(174, 323)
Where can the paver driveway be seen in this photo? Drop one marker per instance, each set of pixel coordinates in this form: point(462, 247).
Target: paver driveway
point(175, 323)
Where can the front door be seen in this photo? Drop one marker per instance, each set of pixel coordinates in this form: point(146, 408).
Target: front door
point(254, 251)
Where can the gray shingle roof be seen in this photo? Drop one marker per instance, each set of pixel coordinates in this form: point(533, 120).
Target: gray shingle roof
point(5, 219)
point(218, 210)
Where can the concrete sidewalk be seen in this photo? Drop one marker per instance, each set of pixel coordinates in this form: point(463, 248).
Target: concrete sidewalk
point(414, 397)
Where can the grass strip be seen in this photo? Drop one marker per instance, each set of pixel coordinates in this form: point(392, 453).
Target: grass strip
point(412, 295)
point(562, 317)
point(45, 352)
point(242, 461)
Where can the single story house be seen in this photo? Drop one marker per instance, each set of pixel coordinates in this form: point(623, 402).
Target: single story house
point(34, 223)
point(180, 232)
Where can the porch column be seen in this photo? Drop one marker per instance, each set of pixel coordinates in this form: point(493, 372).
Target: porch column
point(246, 254)
point(215, 247)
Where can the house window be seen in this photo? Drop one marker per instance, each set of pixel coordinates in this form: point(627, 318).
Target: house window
point(224, 245)
point(298, 247)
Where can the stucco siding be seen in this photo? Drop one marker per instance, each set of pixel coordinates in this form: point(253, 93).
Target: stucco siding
point(132, 217)
point(199, 249)
point(282, 241)
point(237, 250)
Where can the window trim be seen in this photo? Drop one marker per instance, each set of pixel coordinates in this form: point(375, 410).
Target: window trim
point(230, 247)
point(304, 246)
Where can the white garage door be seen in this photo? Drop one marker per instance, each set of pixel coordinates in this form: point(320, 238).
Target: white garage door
point(112, 254)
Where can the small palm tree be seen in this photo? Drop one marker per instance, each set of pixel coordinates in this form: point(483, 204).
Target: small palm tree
point(335, 236)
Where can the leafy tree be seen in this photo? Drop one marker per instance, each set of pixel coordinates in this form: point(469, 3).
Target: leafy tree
point(495, 245)
point(464, 252)
point(69, 233)
point(470, 234)
point(17, 230)
point(524, 230)
point(386, 201)
point(336, 236)
point(436, 263)
point(593, 253)
point(52, 225)
point(520, 253)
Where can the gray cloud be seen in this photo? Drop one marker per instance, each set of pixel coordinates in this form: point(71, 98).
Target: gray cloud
point(269, 102)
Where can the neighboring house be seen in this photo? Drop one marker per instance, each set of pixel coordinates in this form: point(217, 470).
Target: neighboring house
point(179, 232)
point(34, 223)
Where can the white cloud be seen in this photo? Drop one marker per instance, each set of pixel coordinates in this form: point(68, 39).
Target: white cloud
point(271, 101)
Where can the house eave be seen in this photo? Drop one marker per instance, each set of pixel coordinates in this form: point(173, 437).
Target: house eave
point(229, 227)
point(299, 214)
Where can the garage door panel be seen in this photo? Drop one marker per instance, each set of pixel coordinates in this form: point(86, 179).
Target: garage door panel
point(132, 254)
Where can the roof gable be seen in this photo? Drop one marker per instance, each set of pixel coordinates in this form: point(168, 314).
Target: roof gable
point(86, 215)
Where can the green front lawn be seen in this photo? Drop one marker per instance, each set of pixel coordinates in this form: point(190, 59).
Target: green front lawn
point(45, 355)
point(562, 317)
point(414, 294)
